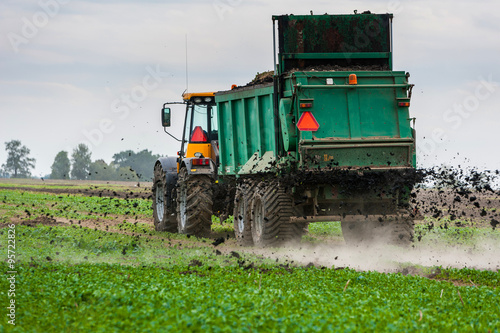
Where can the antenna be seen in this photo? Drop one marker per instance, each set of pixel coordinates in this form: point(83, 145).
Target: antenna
point(187, 82)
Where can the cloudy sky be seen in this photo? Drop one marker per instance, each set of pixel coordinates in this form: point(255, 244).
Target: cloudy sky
point(98, 72)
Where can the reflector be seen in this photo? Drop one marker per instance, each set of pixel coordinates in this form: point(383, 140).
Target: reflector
point(353, 79)
point(198, 135)
point(200, 161)
point(307, 122)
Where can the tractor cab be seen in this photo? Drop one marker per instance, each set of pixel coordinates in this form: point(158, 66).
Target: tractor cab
point(199, 138)
point(200, 125)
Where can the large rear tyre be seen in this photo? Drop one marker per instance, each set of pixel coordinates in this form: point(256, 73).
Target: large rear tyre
point(194, 204)
point(242, 213)
point(164, 204)
point(271, 210)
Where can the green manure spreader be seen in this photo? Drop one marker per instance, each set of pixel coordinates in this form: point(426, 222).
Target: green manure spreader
point(327, 136)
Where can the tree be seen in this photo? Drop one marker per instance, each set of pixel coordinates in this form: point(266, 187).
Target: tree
point(18, 161)
point(3, 174)
point(60, 167)
point(81, 159)
point(142, 162)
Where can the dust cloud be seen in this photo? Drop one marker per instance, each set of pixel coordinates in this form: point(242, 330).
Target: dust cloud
point(388, 258)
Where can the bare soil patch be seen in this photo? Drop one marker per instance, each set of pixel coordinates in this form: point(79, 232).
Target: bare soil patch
point(41, 220)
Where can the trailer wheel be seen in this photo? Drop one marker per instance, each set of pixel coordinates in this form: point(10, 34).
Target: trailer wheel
point(242, 213)
point(164, 212)
point(194, 204)
point(271, 212)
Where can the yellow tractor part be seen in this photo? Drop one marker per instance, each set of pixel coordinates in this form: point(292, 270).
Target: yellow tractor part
point(193, 148)
point(203, 148)
point(192, 96)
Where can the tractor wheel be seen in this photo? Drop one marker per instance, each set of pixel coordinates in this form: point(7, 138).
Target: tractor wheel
point(242, 213)
point(271, 212)
point(164, 213)
point(194, 204)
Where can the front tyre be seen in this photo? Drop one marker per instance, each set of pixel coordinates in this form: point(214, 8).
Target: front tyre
point(194, 204)
point(164, 213)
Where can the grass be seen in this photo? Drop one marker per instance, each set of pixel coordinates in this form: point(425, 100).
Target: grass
point(470, 277)
point(323, 231)
point(225, 226)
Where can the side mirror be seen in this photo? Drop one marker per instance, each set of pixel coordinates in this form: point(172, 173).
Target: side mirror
point(165, 117)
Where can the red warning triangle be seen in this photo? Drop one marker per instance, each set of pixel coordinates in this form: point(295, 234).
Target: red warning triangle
point(198, 135)
point(307, 122)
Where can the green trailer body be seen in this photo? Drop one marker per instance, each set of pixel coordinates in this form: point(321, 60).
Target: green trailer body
point(363, 125)
point(360, 126)
point(246, 127)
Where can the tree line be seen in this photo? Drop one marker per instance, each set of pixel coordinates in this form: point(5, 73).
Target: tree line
point(125, 166)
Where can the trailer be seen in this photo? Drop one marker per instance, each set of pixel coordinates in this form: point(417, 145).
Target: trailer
point(328, 139)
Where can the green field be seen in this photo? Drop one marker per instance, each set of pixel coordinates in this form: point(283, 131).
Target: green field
point(105, 269)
